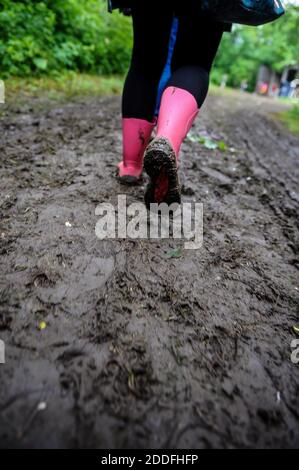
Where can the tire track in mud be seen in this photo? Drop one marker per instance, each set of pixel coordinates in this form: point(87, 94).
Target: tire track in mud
point(141, 350)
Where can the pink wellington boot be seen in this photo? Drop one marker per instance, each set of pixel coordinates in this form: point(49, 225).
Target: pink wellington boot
point(177, 113)
point(136, 136)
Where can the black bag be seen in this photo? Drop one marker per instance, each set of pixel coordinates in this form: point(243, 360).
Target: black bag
point(249, 12)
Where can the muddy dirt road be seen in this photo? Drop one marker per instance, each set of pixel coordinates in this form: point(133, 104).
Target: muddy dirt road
point(114, 344)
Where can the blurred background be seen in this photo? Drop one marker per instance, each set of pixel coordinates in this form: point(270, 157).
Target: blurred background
point(49, 38)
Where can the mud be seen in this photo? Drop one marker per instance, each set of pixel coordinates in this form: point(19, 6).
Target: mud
point(140, 350)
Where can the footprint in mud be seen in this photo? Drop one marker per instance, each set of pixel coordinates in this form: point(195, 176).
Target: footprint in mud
point(85, 275)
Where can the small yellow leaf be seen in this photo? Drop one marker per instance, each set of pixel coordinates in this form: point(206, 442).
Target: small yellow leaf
point(42, 326)
point(296, 329)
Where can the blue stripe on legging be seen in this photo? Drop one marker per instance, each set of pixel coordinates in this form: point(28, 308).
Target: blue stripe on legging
point(167, 70)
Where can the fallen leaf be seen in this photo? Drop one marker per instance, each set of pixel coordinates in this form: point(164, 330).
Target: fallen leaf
point(296, 329)
point(177, 253)
point(210, 144)
point(42, 326)
point(193, 138)
point(222, 146)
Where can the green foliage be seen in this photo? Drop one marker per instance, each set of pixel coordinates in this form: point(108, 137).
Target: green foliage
point(295, 112)
point(42, 37)
point(46, 37)
point(291, 119)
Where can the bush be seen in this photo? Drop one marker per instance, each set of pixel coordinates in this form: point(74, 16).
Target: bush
point(45, 37)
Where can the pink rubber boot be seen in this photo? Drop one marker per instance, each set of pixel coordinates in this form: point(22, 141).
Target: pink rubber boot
point(177, 113)
point(136, 136)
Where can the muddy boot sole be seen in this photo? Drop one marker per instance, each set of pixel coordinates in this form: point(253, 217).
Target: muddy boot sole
point(160, 160)
point(130, 180)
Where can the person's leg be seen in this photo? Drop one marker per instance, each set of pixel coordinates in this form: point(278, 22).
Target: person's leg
point(152, 26)
point(196, 47)
point(150, 50)
point(197, 43)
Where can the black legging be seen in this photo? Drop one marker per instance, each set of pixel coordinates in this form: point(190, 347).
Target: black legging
point(197, 44)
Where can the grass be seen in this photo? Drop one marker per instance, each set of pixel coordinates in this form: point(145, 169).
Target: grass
point(222, 91)
point(291, 119)
point(63, 87)
point(71, 85)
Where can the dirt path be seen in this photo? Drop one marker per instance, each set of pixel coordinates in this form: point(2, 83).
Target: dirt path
point(140, 350)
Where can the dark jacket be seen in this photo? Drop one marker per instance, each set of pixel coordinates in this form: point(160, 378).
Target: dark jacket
point(126, 4)
point(112, 4)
